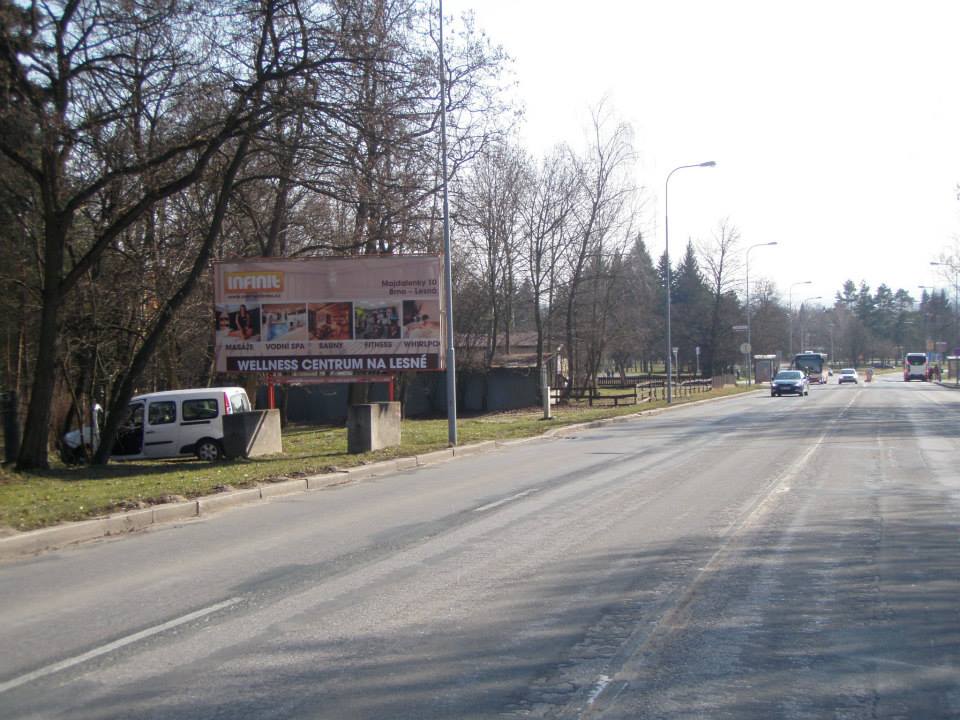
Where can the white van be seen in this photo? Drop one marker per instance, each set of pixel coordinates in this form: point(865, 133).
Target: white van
point(169, 424)
point(914, 367)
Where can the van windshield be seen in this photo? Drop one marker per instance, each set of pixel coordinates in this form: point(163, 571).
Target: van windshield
point(916, 359)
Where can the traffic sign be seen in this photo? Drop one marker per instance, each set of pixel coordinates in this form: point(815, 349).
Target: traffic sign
point(740, 328)
point(745, 348)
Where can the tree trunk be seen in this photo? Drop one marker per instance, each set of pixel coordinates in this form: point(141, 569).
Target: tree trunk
point(36, 428)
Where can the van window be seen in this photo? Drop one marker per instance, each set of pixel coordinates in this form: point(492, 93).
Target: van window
point(200, 409)
point(916, 359)
point(161, 413)
point(240, 403)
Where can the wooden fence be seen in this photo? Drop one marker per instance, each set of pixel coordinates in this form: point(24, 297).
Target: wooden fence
point(634, 393)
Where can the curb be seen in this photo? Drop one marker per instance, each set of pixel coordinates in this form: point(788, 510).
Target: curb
point(35, 541)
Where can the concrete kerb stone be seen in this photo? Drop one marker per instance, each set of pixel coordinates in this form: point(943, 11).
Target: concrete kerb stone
point(436, 456)
point(474, 449)
point(406, 463)
point(361, 472)
point(283, 488)
point(212, 503)
point(128, 522)
point(176, 511)
point(48, 538)
point(317, 482)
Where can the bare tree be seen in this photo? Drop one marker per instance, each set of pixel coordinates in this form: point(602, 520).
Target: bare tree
point(547, 211)
point(488, 201)
point(605, 192)
point(722, 266)
point(86, 76)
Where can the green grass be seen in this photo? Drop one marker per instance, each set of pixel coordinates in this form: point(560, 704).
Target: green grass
point(33, 500)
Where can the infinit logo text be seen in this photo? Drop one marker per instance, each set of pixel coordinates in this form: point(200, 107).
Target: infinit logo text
point(253, 282)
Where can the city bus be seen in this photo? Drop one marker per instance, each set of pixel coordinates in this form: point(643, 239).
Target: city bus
point(814, 364)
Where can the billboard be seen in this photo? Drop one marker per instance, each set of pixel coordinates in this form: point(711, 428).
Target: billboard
point(358, 314)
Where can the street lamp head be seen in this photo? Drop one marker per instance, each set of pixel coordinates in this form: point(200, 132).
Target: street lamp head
point(772, 243)
point(708, 163)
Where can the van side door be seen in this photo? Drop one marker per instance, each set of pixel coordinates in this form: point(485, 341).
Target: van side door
point(200, 418)
point(161, 431)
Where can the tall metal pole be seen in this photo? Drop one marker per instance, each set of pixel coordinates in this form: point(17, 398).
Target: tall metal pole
point(790, 318)
point(956, 299)
point(749, 341)
point(447, 265)
point(666, 254)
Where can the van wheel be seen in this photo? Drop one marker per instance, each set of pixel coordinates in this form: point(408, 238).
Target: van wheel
point(208, 450)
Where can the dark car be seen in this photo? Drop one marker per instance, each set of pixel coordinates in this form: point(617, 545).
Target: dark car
point(789, 382)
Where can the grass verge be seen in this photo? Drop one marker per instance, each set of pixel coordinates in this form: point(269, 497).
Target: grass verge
point(34, 500)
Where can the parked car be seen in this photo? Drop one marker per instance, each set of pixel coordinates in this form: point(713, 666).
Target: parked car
point(168, 424)
point(789, 382)
point(848, 375)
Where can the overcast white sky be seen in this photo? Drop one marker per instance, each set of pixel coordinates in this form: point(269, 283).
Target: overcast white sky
point(834, 125)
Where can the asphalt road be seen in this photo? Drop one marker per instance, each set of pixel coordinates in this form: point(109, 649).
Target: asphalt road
point(751, 558)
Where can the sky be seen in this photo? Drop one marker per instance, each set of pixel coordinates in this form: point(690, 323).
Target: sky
point(835, 126)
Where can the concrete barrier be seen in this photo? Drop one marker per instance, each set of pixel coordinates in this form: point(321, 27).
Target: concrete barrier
point(372, 426)
point(252, 434)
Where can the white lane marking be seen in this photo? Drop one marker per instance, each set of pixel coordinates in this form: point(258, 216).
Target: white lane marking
point(498, 503)
point(115, 645)
point(598, 687)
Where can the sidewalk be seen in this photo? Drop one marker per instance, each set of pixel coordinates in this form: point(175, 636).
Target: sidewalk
point(33, 542)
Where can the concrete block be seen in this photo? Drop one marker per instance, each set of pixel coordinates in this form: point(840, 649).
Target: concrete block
point(212, 503)
point(372, 426)
point(252, 434)
point(283, 488)
point(435, 457)
point(475, 448)
point(175, 511)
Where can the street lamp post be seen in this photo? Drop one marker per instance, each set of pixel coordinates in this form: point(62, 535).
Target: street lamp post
point(451, 359)
point(790, 316)
point(954, 270)
point(805, 300)
point(749, 341)
point(666, 253)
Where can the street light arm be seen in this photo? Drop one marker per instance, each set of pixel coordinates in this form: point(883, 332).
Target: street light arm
point(749, 339)
point(666, 254)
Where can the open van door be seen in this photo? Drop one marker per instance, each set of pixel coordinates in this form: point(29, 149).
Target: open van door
point(130, 434)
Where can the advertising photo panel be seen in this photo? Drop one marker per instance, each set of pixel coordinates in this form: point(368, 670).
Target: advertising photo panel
point(237, 322)
point(330, 321)
point(283, 322)
point(377, 320)
point(421, 318)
